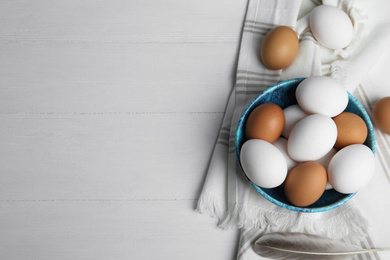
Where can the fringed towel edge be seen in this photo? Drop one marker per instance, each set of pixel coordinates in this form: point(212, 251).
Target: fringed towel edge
point(210, 205)
point(347, 224)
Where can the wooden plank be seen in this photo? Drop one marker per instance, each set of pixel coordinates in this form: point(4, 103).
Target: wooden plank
point(114, 230)
point(105, 156)
point(122, 21)
point(101, 77)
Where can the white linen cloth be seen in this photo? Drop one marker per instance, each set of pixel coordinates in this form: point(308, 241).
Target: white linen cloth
point(226, 195)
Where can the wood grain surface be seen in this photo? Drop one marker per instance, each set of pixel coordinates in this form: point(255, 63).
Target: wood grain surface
point(109, 111)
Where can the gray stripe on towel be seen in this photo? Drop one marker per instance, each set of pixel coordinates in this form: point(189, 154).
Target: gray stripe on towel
point(274, 74)
point(269, 25)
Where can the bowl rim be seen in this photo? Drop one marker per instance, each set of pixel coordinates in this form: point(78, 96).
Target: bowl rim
point(259, 189)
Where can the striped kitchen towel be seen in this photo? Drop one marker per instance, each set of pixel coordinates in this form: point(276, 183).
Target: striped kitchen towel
point(226, 194)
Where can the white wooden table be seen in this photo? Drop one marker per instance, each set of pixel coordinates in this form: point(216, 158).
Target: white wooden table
point(109, 110)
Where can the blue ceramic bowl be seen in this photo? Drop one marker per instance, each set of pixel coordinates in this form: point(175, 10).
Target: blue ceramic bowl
point(283, 94)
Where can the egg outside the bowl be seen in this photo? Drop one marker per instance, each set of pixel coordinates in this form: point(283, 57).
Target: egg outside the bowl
point(279, 48)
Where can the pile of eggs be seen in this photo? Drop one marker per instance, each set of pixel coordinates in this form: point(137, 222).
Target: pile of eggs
point(308, 147)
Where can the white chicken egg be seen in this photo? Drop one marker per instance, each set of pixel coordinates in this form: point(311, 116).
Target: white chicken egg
point(321, 95)
point(312, 138)
point(281, 144)
point(292, 115)
point(331, 27)
point(351, 168)
point(263, 163)
point(325, 160)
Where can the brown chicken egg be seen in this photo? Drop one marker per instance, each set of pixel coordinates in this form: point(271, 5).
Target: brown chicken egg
point(351, 129)
point(265, 122)
point(380, 114)
point(279, 48)
point(305, 183)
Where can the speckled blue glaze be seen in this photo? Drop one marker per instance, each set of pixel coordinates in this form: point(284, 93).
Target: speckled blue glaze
point(283, 94)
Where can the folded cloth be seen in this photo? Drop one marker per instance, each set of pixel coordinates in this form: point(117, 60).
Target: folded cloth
point(226, 194)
